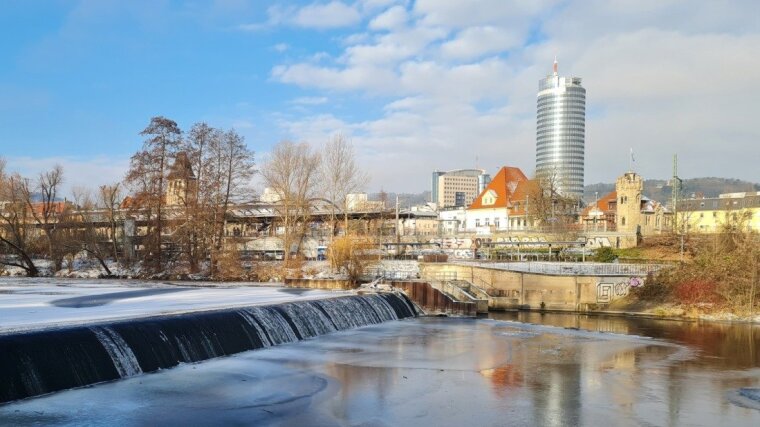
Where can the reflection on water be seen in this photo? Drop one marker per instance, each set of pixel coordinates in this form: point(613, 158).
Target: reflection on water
point(440, 372)
point(719, 345)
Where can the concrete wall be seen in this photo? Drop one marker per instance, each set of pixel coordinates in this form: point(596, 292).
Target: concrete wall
point(512, 289)
point(319, 284)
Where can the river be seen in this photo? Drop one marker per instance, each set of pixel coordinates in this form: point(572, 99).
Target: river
point(512, 369)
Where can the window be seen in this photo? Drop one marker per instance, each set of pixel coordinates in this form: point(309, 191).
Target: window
point(496, 222)
point(488, 220)
point(477, 223)
point(622, 221)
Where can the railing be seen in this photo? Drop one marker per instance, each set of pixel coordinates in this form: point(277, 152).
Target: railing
point(434, 301)
point(573, 268)
point(380, 273)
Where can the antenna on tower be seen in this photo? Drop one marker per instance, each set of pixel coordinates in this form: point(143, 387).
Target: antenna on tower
point(556, 66)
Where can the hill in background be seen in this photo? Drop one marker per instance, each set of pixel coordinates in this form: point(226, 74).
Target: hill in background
point(662, 191)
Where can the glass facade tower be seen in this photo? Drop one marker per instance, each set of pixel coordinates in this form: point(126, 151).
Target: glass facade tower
point(561, 133)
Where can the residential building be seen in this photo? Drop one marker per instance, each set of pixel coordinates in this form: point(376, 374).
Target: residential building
point(490, 212)
point(561, 133)
point(452, 221)
point(359, 202)
point(709, 215)
point(456, 188)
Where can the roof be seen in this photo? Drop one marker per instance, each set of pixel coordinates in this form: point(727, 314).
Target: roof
point(505, 185)
point(604, 204)
point(181, 168)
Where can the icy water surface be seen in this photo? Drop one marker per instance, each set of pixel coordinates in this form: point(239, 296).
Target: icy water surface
point(46, 302)
point(425, 372)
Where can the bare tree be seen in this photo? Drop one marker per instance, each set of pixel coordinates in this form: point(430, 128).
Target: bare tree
point(292, 173)
point(340, 176)
point(199, 209)
point(41, 198)
point(109, 199)
point(228, 172)
point(548, 208)
point(147, 174)
point(15, 234)
point(84, 232)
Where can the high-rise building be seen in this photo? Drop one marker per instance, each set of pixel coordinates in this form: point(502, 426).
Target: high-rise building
point(456, 188)
point(561, 133)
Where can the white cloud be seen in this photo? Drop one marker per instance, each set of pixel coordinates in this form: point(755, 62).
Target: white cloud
point(80, 172)
point(477, 41)
point(459, 80)
point(391, 19)
point(358, 78)
point(310, 100)
point(334, 14)
point(462, 14)
point(281, 47)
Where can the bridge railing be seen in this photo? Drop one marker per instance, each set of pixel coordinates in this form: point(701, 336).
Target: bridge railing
point(574, 268)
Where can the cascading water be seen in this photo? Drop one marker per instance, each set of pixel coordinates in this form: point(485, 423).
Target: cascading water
point(123, 358)
point(41, 362)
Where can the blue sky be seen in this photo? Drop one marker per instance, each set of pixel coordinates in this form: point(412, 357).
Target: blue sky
point(417, 85)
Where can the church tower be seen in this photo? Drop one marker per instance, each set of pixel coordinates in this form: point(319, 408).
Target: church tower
point(182, 185)
point(629, 188)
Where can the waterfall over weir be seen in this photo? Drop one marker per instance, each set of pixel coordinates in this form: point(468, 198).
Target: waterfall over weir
point(41, 362)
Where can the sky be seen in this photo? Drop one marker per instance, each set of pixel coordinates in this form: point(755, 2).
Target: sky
point(416, 85)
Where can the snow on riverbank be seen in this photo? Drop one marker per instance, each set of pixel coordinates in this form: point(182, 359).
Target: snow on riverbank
point(37, 303)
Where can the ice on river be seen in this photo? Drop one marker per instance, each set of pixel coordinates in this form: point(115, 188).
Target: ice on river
point(420, 372)
point(40, 303)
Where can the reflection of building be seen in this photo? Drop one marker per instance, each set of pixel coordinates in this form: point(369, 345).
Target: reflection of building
point(561, 132)
point(457, 187)
point(627, 209)
point(740, 211)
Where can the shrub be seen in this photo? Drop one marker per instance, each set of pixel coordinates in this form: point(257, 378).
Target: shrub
point(651, 291)
point(605, 254)
point(697, 291)
point(350, 255)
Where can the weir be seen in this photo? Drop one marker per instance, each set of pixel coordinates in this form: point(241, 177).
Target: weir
point(35, 363)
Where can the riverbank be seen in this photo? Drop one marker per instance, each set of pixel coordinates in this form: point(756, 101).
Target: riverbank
point(656, 312)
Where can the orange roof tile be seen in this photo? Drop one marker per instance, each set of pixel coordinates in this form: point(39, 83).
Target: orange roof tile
point(603, 204)
point(504, 184)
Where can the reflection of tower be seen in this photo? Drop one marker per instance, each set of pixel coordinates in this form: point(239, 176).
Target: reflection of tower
point(561, 133)
point(629, 188)
point(557, 396)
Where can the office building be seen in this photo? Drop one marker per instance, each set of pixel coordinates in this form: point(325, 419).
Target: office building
point(561, 133)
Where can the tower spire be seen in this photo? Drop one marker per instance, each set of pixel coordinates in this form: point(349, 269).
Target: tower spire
point(555, 65)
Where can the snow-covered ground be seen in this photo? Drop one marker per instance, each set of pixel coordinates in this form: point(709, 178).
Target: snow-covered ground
point(38, 303)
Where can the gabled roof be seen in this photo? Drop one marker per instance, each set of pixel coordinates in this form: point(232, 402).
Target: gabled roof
point(523, 191)
point(504, 184)
point(604, 204)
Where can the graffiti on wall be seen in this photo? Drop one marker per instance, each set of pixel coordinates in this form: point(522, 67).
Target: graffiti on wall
point(598, 242)
point(606, 292)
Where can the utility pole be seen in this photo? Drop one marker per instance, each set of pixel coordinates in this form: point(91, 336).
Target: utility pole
point(676, 192)
point(398, 225)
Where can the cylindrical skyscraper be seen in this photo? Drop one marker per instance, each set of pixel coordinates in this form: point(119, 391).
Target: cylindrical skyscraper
point(561, 133)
